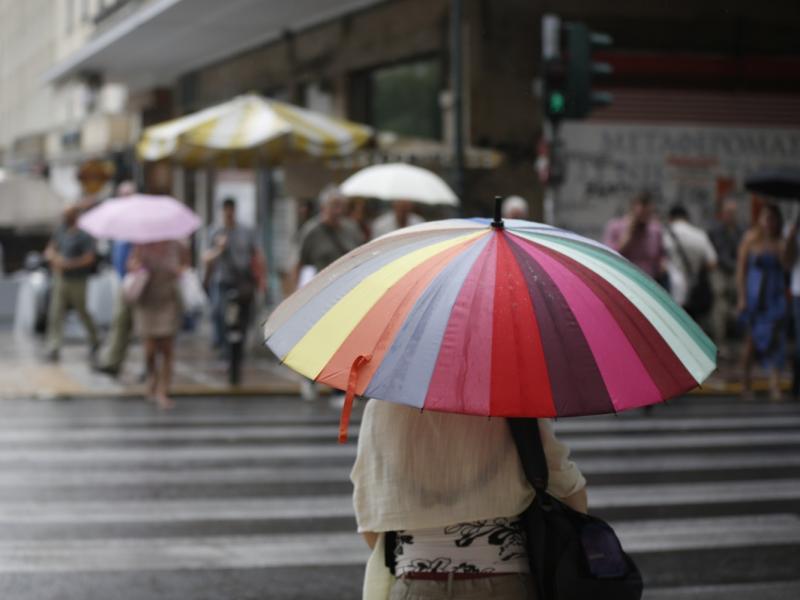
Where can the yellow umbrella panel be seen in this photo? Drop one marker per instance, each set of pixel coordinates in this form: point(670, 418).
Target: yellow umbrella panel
point(250, 128)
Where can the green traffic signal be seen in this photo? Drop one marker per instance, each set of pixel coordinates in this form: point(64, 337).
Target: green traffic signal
point(557, 103)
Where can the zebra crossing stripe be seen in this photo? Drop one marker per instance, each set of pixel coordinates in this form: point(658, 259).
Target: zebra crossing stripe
point(684, 463)
point(329, 431)
point(333, 506)
point(699, 417)
point(688, 441)
point(183, 474)
point(245, 552)
point(667, 535)
point(627, 424)
point(284, 432)
point(173, 511)
point(773, 590)
point(204, 452)
point(712, 493)
point(347, 548)
point(219, 476)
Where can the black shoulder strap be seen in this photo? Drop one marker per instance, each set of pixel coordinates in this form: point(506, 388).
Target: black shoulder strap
point(389, 548)
point(525, 432)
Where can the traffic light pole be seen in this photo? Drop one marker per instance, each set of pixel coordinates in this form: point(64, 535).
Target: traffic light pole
point(551, 195)
point(568, 71)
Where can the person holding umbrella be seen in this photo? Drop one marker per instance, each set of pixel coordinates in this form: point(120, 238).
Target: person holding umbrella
point(402, 186)
point(400, 215)
point(157, 312)
point(451, 489)
point(478, 318)
point(154, 224)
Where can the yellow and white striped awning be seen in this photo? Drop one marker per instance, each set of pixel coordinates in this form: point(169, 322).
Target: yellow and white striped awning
point(248, 129)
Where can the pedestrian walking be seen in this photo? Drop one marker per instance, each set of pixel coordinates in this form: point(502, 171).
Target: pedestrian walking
point(792, 260)
point(158, 312)
point(690, 260)
point(638, 237)
point(71, 254)
point(234, 264)
point(113, 354)
point(401, 214)
point(328, 236)
point(725, 235)
point(446, 492)
point(324, 239)
point(762, 303)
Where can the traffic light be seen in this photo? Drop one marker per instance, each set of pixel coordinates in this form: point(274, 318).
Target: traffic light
point(568, 69)
point(553, 70)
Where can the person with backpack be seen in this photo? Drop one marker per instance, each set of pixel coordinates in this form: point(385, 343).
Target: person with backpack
point(690, 260)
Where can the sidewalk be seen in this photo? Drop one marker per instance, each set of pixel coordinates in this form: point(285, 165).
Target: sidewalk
point(727, 379)
point(23, 372)
point(198, 372)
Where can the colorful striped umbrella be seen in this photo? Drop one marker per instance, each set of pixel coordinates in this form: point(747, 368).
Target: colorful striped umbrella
point(481, 317)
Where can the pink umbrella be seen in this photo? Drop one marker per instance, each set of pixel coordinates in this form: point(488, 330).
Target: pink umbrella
point(140, 219)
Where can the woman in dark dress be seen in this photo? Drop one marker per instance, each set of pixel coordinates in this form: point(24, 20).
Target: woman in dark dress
point(763, 306)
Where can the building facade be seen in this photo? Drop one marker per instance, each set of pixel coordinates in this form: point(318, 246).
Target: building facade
point(50, 129)
point(685, 72)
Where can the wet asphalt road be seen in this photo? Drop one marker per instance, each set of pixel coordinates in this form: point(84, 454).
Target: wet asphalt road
point(249, 499)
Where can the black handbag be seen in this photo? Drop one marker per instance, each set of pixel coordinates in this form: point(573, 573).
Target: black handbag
point(701, 295)
point(572, 556)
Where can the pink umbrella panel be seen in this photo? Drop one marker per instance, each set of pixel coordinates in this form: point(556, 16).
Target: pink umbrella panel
point(140, 219)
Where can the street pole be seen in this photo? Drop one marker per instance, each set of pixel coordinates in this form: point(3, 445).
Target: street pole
point(456, 83)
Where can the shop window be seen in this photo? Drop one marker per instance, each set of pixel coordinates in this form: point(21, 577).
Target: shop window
point(403, 98)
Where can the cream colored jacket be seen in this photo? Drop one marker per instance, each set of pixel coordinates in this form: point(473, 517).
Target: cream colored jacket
point(417, 469)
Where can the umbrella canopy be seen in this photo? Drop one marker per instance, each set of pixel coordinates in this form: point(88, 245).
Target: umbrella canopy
point(399, 181)
point(140, 219)
point(517, 319)
point(779, 183)
point(250, 128)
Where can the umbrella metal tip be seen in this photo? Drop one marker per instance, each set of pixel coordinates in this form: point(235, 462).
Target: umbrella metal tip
point(497, 223)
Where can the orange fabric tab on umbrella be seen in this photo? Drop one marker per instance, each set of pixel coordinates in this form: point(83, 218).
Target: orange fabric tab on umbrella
point(344, 419)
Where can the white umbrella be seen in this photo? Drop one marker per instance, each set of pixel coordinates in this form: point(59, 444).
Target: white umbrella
point(398, 181)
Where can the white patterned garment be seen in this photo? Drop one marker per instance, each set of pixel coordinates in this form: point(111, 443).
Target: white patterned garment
point(485, 546)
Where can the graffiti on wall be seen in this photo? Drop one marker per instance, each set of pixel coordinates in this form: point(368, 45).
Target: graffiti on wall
point(692, 165)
